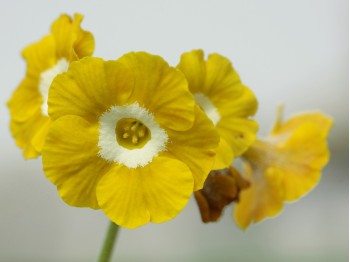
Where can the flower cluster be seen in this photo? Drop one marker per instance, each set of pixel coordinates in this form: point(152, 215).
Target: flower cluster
point(136, 137)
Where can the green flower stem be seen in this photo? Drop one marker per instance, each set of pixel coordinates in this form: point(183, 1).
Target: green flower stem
point(107, 249)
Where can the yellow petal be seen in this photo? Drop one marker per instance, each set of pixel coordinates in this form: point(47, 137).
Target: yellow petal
point(71, 161)
point(154, 193)
point(29, 134)
point(239, 133)
point(221, 78)
point(64, 35)
point(89, 88)
point(195, 147)
point(25, 101)
point(323, 122)
point(240, 105)
point(84, 45)
point(224, 155)
point(22, 133)
point(40, 56)
point(161, 89)
point(261, 200)
point(304, 155)
point(193, 66)
point(40, 133)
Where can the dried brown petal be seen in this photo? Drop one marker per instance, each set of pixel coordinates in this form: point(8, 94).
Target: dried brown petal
point(220, 189)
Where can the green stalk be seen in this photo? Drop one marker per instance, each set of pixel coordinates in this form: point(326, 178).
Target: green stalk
point(108, 245)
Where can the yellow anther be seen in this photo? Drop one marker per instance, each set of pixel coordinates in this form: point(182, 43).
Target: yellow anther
point(134, 126)
point(126, 135)
point(134, 139)
point(141, 132)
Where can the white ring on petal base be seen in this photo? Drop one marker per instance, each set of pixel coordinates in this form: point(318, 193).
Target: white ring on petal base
point(207, 106)
point(46, 79)
point(110, 149)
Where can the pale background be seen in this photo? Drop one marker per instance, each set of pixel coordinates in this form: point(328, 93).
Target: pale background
point(294, 52)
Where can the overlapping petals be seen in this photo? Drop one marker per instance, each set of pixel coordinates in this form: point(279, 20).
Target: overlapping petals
point(283, 167)
point(51, 55)
point(98, 96)
point(220, 93)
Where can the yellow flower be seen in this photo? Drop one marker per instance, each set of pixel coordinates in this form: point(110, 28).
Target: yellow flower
point(127, 138)
point(220, 93)
point(283, 167)
point(45, 59)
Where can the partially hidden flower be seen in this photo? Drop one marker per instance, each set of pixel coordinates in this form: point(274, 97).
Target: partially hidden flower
point(219, 92)
point(45, 59)
point(127, 138)
point(283, 167)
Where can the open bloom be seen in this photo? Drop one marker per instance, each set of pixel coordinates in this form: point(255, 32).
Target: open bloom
point(127, 138)
point(45, 59)
point(220, 93)
point(283, 167)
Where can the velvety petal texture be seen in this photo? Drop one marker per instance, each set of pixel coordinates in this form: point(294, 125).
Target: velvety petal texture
point(130, 132)
point(219, 91)
point(45, 59)
point(284, 167)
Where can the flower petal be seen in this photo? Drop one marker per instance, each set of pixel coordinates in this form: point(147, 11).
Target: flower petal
point(304, 155)
point(154, 82)
point(320, 120)
point(156, 192)
point(264, 198)
point(221, 78)
point(40, 56)
point(89, 88)
point(195, 147)
point(71, 162)
point(84, 45)
point(240, 105)
point(239, 133)
point(193, 66)
point(25, 101)
point(22, 133)
point(224, 155)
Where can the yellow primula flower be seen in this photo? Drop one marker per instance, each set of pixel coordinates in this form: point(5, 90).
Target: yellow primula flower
point(127, 138)
point(283, 167)
point(45, 59)
point(220, 93)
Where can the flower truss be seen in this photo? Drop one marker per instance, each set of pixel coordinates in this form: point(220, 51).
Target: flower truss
point(220, 93)
point(136, 137)
point(128, 138)
point(45, 59)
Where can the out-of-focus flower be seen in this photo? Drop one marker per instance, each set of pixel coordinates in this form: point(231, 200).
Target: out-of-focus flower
point(221, 188)
point(283, 167)
point(220, 93)
point(128, 138)
point(45, 59)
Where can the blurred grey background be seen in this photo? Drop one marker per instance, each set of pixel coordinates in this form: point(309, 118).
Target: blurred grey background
point(295, 52)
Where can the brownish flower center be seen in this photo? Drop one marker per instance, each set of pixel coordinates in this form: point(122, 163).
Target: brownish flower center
point(131, 133)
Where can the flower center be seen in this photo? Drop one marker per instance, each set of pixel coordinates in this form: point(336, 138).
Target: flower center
point(132, 133)
point(46, 79)
point(208, 107)
point(130, 136)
